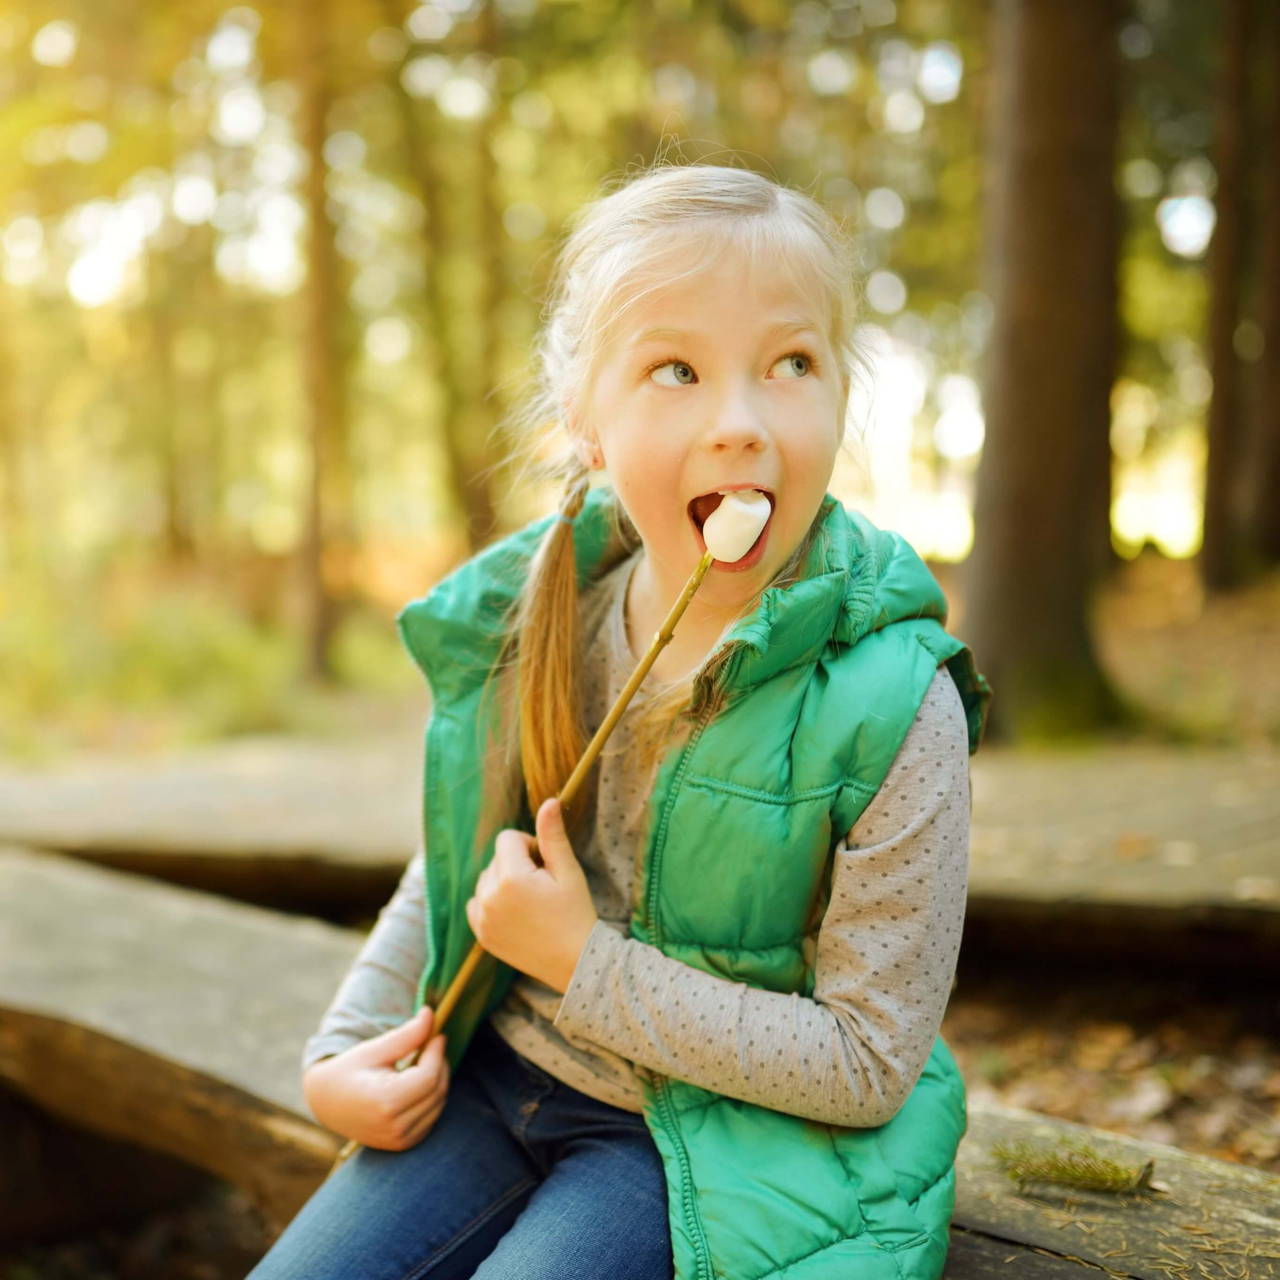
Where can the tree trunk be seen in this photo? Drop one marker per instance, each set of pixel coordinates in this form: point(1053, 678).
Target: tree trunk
point(487, 409)
point(13, 519)
point(1100, 469)
point(421, 145)
point(164, 404)
point(1264, 524)
point(1221, 565)
point(1050, 262)
point(206, 386)
point(321, 354)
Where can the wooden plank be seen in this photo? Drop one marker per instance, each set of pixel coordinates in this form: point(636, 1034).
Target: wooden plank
point(320, 827)
point(1129, 827)
point(220, 987)
point(1173, 828)
point(974, 1256)
point(167, 1017)
point(355, 802)
point(1218, 1221)
point(120, 1091)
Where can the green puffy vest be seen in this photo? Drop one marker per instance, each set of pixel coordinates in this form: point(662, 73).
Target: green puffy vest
point(746, 811)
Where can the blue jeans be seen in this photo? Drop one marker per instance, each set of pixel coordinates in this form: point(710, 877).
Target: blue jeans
point(521, 1178)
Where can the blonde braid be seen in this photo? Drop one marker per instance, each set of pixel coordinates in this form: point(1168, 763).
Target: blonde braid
point(552, 732)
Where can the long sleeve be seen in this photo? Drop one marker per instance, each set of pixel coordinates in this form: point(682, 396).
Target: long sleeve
point(886, 954)
point(378, 991)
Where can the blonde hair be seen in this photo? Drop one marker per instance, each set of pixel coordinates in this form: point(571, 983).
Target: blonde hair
point(615, 242)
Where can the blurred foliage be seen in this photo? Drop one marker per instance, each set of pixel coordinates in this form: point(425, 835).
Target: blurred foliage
point(173, 667)
point(153, 406)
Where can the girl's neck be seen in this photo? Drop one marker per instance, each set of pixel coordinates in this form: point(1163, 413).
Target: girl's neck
point(695, 635)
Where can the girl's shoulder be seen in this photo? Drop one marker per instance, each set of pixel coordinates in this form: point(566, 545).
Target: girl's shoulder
point(941, 715)
point(942, 697)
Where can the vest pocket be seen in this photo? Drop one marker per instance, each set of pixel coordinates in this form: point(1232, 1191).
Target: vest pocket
point(748, 882)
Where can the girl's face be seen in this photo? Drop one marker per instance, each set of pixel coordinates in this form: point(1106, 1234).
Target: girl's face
point(738, 388)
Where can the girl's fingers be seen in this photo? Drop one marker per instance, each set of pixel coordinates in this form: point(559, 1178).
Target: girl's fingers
point(418, 1122)
point(388, 1048)
point(427, 1078)
point(508, 859)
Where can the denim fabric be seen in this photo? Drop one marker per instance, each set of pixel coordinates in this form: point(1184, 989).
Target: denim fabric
point(522, 1178)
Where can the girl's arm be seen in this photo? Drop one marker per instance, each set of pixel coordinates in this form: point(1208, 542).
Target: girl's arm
point(886, 956)
point(379, 990)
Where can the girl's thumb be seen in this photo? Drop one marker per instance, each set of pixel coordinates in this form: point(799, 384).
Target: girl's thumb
point(392, 1045)
point(553, 840)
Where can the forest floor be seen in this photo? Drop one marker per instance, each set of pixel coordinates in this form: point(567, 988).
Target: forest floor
point(1194, 668)
point(1204, 667)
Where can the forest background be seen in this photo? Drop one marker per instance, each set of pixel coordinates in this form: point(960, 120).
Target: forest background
point(270, 277)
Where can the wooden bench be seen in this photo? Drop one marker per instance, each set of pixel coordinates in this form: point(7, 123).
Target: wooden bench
point(175, 1020)
point(1171, 861)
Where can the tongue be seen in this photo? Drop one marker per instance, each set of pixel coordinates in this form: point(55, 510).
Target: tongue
point(704, 506)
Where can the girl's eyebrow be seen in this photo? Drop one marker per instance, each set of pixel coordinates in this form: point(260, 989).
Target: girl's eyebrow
point(782, 327)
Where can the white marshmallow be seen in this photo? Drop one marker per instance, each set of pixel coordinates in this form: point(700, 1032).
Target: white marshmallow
point(732, 528)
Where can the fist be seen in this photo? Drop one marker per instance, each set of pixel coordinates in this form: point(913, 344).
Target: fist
point(534, 918)
point(361, 1095)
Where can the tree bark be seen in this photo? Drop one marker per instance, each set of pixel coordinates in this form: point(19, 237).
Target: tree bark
point(1051, 268)
point(167, 413)
point(421, 147)
point(1221, 564)
point(1100, 469)
point(13, 509)
point(1264, 523)
point(478, 477)
point(321, 351)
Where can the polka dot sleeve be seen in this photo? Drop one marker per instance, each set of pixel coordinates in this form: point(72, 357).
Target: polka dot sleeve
point(886, 955)
point(379, 989)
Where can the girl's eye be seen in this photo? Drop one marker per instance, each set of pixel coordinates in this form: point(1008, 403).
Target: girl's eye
point(799, 362)
point(801, 358)
point(682, 372)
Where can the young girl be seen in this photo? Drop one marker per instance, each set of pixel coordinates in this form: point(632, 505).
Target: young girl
point(704, 1040)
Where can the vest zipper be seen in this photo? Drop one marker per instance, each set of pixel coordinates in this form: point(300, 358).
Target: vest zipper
point(428, 963)
point(661, 1086)
point(651, 878)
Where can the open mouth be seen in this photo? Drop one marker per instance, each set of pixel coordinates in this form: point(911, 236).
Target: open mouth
point(701, 507)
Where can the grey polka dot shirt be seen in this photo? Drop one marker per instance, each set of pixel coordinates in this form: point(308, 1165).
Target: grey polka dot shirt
point(886, 949)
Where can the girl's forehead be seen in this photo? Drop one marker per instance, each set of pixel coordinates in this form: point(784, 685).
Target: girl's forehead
point(683, 279)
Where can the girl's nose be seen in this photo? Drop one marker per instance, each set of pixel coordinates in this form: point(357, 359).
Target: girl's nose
point(737, 424)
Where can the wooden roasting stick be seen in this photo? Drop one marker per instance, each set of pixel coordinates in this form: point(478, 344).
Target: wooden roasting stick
point(567, 796)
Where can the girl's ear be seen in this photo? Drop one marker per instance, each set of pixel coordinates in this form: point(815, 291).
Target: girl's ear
point(584, 446)
point(588, 454)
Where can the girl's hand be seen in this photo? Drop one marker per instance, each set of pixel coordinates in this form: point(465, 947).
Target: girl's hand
point(535, 919)
point(359, 1093)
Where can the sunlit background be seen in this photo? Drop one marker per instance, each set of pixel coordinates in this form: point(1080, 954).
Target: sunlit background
point(270, 280)
point(154, 231)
